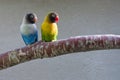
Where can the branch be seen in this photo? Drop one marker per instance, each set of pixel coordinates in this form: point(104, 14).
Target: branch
point(60, 47)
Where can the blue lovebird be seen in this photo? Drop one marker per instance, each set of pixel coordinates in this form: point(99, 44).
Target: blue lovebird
point(28, 29)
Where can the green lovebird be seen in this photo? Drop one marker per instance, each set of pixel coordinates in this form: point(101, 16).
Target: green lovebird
point(49, 28)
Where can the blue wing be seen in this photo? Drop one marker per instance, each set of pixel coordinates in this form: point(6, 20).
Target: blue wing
point(31, 38)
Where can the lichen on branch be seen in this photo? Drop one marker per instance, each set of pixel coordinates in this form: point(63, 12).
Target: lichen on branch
point(51, 49)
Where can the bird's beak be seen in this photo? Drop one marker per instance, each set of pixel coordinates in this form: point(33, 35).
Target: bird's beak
point(57, 18)
point(35, 19)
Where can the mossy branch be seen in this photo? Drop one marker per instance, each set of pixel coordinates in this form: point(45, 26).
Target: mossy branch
point(57, 48)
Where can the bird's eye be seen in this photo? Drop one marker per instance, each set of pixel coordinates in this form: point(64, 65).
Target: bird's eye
point(31, 16)
point(53, 15)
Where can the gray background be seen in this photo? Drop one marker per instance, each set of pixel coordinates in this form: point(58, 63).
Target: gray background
point(77, 17)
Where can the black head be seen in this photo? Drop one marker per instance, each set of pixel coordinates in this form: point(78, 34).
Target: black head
point(31, 18)
point(53, 17)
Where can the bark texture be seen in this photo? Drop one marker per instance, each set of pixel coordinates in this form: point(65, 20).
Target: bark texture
point(57, 48)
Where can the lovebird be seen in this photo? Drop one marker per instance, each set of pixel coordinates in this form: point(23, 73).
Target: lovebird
point(28, 29)
point(49, 28)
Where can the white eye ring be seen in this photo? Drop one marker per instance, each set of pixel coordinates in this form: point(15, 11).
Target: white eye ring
point(32, 16)
point(53, 15)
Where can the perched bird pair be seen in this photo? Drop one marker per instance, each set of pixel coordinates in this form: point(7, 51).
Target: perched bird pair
point(49, 29)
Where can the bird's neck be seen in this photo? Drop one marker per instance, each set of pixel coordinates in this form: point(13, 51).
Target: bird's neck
point(47, 20)
point(25, 21)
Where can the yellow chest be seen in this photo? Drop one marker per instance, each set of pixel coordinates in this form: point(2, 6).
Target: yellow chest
point(49, 28)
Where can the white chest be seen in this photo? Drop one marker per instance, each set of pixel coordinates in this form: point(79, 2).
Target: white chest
point(28, 28)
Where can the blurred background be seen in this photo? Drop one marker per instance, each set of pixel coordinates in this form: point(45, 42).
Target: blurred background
point(77, 17)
